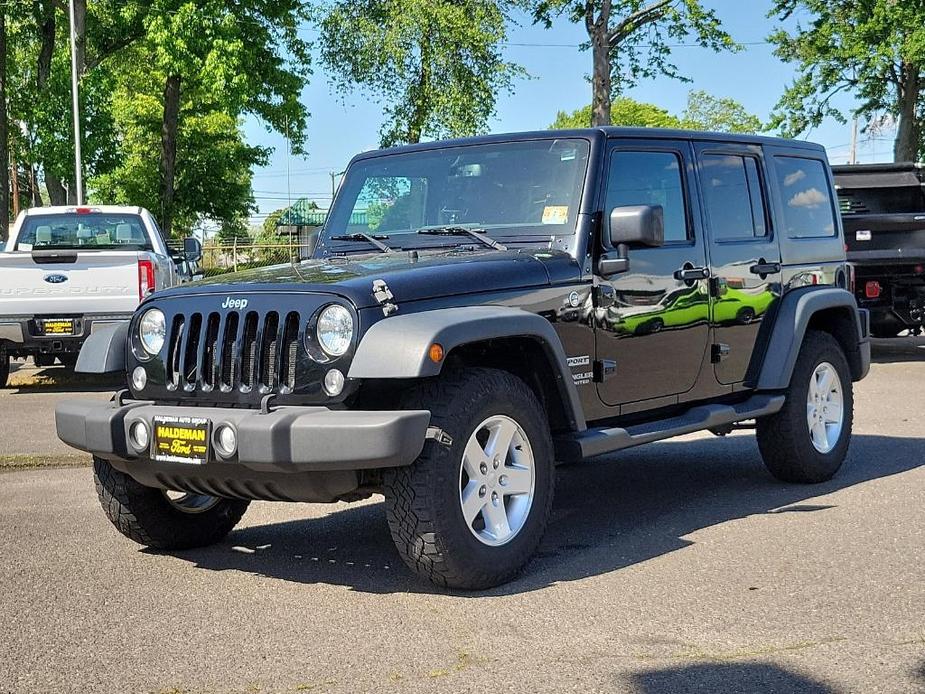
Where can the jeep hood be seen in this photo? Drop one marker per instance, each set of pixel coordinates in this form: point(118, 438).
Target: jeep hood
point(431, 275)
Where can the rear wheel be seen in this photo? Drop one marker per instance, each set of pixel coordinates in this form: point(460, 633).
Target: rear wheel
point(807, 441)
point(160, 519)
point(470, 514)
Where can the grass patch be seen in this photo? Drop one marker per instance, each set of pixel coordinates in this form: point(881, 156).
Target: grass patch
point(10, 463)
point(57, 378)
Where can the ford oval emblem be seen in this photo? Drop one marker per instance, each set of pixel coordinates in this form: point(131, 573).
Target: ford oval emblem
point(55, 279)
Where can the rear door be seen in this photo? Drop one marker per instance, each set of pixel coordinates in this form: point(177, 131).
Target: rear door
point(744, 252)
point(656, 328)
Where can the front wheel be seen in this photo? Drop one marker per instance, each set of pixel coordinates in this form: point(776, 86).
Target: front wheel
point(470, 514)
point(807, 441)
point(160, 519)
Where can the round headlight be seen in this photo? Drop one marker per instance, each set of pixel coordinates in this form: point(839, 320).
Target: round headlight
point(335, 330)
point(152, 330)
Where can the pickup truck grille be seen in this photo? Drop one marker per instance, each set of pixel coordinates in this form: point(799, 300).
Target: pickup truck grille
point(247, 351)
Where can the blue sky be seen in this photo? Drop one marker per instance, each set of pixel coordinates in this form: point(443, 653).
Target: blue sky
point(340, 128)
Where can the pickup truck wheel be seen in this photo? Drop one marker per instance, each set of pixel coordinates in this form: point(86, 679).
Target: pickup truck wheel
point(470, 514)
point(163, 520)
point(807, 441)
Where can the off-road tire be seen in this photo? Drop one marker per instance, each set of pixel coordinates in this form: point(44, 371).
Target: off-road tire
point(422, 500)
point(144, 514)
point(784, 438)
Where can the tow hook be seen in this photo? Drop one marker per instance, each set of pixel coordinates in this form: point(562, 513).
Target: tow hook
point(439, 435)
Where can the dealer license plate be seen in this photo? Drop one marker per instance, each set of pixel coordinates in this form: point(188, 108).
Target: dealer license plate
point(58, 326)
point(181, 439)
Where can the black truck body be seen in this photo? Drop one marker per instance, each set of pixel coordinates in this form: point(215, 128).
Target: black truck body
point(883, 212)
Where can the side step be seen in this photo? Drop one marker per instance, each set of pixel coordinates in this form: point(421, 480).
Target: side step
point(606, 440)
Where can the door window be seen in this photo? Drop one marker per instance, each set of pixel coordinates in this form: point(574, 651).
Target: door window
point(649, 178)
point(733, 198)
point(808, 208)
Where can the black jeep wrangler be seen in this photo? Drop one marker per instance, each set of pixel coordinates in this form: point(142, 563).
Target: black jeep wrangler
point(475, 312)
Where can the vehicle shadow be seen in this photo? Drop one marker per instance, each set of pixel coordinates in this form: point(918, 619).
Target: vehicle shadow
point(27, 378)
point(730, 678)
point(609, 513)
point(897, 349)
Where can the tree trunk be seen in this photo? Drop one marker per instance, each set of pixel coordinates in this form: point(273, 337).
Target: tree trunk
point(35, 194)
point(57, 193)
point(4, 137)
point(601, 75)
point(168, 163)
point(909, 132)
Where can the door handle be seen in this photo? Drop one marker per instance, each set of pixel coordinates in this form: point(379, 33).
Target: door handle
point(764, 268)
point(689, 273)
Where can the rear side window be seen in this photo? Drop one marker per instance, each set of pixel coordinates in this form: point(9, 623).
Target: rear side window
point(733, 197)
point(806, 194)
point(649, 178)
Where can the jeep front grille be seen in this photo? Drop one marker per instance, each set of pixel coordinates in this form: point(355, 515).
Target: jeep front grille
point(244, 351)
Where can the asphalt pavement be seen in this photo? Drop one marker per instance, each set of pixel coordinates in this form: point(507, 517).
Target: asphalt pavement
point(676, 567)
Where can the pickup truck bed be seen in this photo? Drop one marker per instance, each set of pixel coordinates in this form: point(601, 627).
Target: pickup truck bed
point(883, 212)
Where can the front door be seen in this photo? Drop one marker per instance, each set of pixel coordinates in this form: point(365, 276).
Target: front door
point(744, 253)
point(652, 324)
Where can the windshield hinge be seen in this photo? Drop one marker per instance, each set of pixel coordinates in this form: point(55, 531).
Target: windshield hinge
point(383, 296)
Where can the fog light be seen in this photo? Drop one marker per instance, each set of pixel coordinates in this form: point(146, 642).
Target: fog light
point(139, 378)
point(333, 382)
point(226, 440)
point(139, 435)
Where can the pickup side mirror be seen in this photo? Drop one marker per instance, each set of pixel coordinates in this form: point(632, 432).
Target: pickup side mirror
point(192, 249)
point(637, 225)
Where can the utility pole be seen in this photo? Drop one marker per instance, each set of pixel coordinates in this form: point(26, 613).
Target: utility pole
point(853, 155)
point(78, 168)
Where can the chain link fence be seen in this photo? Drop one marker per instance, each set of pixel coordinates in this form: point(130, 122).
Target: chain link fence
point(241, 255)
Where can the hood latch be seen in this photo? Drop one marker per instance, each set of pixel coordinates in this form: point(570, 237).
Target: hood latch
point(383, 295)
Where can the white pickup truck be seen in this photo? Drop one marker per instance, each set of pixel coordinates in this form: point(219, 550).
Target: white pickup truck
point(68, 271)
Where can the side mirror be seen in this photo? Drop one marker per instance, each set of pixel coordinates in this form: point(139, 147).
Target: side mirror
point(637, 225)
point(192, 249)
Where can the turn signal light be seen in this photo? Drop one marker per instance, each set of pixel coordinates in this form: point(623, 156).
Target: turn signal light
point(872, 289)
point(436, 353)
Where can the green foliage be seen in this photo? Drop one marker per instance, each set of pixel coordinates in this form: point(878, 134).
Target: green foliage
point(213, 162)
point(873, 50)
point(624, 111)
point(435, 65)
point(703, 112)
point(639, 33)
point(718, 114)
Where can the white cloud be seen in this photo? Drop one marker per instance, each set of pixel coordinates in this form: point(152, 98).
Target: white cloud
point(811, 197)
point(795, 177)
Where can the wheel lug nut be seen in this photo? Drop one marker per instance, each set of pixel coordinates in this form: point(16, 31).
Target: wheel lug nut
point(483, 490)
point(483, 468)
point(494, 498)
point(502, 480)
point(497, 462)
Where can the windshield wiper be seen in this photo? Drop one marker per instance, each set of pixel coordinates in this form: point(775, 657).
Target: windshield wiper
point(372, 240)
point(478, 235)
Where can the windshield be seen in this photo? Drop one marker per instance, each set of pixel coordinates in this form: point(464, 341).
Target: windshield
point(85, 231)
point(507, 190)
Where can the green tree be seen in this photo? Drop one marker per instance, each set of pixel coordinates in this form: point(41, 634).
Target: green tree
point(236, 58)
point(873, 50)
point(703, 112)
point(623, 111)
point(718, 114)
point(436, 65)
point(631, 40)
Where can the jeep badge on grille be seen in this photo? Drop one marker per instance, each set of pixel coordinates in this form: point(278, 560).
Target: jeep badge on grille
point(239, 304)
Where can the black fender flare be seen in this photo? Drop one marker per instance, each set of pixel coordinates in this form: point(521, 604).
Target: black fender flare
point(397, 347)
point(791, 319)
point(104, 351)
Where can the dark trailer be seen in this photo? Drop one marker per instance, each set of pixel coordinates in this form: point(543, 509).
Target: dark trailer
point(883, 211)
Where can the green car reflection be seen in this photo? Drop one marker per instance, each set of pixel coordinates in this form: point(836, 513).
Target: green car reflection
point(689, 306)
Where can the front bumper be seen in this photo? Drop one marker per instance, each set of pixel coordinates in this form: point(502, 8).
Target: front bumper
point(283, 440)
